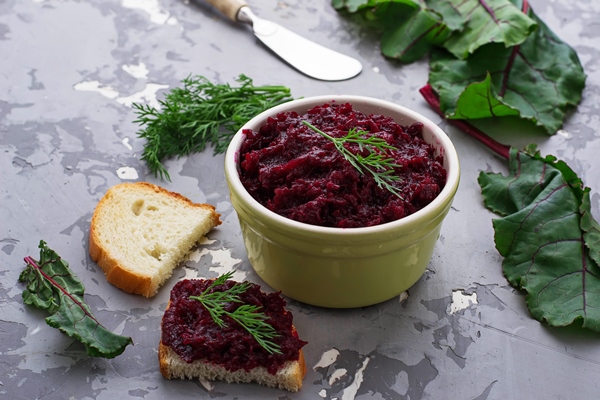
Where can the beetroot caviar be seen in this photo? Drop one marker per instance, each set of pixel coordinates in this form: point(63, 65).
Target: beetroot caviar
point(188, 328)
point(299, 174)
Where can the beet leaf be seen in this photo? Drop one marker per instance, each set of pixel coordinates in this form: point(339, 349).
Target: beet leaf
point(412, 34)
point(408, 28)
point(548, 237)
point(411, 27)
point(482, 22)
point(488, 58)
point(539, 80)
point(52, 286)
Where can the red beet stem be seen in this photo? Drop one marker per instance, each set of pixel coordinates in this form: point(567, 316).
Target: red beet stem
point(29, 260)
point(432, 99)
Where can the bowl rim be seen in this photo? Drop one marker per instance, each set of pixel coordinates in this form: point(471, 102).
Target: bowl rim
point(450, 153)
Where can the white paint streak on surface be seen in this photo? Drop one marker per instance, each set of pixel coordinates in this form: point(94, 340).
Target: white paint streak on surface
point(337, 374)
point(127, 173)
point(323, 393)
point(351, 390)
point(197, 253)
point(221, 256)
point(148, 94)
point(223, 206)
point(225, 258)
point(223, 263)
point(565, 134)
point(38, 362)
point(222, 260)
point(208, 385)
point(403, 296)
point(120, 328)
point(137, 71)
point(461, 301)
point(126, 144)
point(94, 86)
point(401, 384)
point(327, 359)
point(194, 256)
point(191, 273)
point(206, 240)
point(152, 8)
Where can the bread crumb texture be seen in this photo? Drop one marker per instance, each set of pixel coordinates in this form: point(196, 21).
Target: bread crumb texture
point(289, 377)
point(140, 233)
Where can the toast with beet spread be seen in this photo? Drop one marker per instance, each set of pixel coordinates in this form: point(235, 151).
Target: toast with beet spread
point(140, 232)
point(194, 346)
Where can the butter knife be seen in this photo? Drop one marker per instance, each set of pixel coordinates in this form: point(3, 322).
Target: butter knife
point(306, 56)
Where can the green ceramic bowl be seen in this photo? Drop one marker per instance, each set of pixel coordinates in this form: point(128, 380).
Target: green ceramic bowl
point(341, 267)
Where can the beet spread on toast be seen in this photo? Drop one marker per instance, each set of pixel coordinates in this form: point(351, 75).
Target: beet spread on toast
point(191, 332)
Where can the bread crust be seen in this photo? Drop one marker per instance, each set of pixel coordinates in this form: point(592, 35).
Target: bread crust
point(117, 274)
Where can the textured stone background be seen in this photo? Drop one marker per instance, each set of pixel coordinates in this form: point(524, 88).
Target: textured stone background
point(68, 74)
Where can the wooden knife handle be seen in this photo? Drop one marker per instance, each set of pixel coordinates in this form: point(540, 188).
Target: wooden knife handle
point(229, 8)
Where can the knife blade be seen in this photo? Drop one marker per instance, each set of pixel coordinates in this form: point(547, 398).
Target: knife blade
point(308, 57)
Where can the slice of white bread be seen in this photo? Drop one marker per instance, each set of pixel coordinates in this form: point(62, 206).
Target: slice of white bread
point(140, 233)
point(288, 377)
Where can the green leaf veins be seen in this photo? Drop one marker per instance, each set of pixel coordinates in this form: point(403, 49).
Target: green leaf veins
point(548, 237)
point(52, 286)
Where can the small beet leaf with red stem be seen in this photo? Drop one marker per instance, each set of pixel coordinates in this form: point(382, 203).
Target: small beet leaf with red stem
point(51, 285)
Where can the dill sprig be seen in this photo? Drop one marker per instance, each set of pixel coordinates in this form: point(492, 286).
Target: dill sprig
point(248, 316)
point(377, 163)
point(198, 114)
